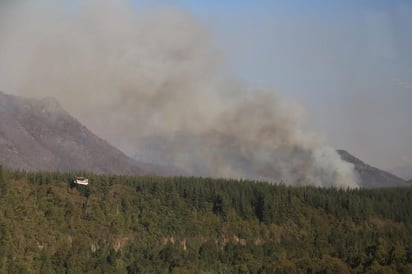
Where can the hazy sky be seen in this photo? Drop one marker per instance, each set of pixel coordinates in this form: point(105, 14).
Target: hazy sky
point(349, 62)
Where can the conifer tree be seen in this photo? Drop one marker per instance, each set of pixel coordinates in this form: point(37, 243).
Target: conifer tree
point(3, 184)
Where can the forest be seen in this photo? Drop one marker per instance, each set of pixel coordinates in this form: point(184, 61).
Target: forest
point(123, 224)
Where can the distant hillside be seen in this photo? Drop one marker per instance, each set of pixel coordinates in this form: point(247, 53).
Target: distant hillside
point(370, 176)
point(41, 135)
point(403, 171)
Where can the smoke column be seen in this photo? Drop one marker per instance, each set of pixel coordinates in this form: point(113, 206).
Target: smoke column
point(152, 83)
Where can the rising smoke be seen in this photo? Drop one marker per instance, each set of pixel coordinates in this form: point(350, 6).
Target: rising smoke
point(152, 83)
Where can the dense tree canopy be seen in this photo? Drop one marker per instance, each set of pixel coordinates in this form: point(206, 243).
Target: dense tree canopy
point(122, 224)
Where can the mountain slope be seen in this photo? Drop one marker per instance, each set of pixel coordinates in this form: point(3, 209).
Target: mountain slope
point(371, 176)
point(41, 135)
point(403, 171)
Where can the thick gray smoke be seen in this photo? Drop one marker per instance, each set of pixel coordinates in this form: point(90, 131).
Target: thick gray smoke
point(152, 83)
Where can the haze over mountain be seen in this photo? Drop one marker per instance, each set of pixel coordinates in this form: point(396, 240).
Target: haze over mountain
point(38, 134)
point(404, 171)
point(370, 176)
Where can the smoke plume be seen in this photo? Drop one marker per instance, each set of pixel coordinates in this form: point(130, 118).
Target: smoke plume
point(151, 82)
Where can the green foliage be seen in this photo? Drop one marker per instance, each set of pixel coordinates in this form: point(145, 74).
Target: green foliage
point(3, 185)
point(121, 224)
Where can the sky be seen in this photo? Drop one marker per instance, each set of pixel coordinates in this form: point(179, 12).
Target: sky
point(348, 62)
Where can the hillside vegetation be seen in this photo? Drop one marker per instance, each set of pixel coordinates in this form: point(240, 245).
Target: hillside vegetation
point(122, 224)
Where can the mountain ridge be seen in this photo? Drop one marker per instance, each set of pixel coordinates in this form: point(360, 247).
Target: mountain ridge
point(372, 177)
point(404, 171)
point(38, 134)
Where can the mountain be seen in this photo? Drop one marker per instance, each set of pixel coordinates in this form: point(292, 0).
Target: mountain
point(38, 134)
point(371, 177)
point(403, 171)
